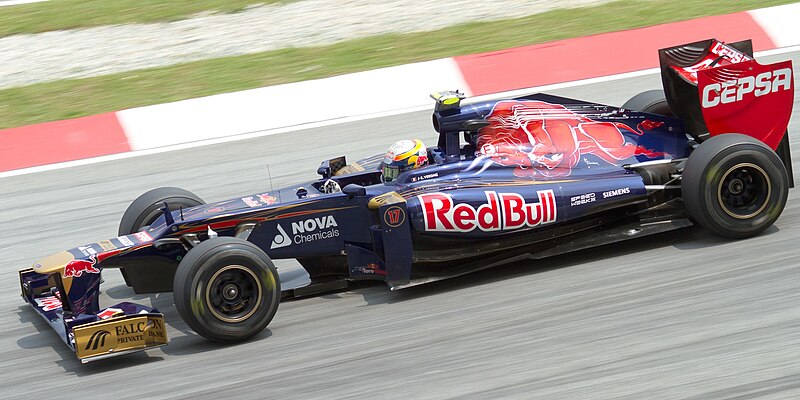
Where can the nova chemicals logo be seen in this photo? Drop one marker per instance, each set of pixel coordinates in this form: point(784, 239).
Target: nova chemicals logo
point(97, 340)
point(281, 239)
point(305, 231)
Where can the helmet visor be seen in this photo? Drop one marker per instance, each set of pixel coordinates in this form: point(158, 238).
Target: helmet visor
point(389, 172)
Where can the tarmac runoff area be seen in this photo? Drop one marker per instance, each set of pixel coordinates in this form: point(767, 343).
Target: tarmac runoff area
point(682, 315)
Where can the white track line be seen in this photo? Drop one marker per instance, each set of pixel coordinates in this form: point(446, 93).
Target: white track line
point(318, 124)
point(4, 3)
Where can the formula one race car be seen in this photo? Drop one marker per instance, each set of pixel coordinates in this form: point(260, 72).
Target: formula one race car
point(511, 179)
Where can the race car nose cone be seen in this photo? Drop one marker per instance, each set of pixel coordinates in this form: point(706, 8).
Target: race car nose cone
point(53, 263)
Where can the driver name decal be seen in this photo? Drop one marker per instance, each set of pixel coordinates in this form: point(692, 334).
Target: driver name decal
point(502, 211)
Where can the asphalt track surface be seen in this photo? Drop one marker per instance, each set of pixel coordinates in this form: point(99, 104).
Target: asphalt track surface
point(678, 315)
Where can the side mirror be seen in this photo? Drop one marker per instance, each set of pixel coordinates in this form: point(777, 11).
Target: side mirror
point(324, 169)
point(329, 168)
point(353, 190)
point(301, 192)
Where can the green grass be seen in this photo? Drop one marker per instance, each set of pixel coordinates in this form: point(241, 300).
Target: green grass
point(67, 14)
point(79, 97)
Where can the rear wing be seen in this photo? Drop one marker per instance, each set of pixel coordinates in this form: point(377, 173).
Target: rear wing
point(718, 88)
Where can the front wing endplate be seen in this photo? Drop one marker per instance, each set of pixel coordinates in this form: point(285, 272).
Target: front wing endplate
point(113, 336)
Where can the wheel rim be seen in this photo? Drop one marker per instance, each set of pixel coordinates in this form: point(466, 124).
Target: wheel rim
point(744, 191)
point(233, 294)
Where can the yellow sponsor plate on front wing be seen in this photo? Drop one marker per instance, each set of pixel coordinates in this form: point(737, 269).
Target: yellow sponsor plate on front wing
point(120, 335)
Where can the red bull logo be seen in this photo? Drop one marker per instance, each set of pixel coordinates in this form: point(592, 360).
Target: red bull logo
point(260, 200)
point(76, 268)
point(502, 211)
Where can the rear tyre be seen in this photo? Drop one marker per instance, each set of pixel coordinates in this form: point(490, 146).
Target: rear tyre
point(651, 101)
point(226, 289)
point(734, 185)
point(147, 207)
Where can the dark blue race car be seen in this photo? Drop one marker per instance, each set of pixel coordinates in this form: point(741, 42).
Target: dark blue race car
point(510, 179)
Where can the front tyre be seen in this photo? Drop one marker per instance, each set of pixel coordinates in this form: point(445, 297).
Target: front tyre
point(147, 208)
point(226, 289)
point(734, 185)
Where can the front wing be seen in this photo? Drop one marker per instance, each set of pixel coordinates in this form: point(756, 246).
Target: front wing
point(120, 329)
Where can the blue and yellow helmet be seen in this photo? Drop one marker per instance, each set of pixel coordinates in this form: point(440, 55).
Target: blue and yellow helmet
point(404, 155)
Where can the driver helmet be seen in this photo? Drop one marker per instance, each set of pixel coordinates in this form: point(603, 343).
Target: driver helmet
point(404, 155)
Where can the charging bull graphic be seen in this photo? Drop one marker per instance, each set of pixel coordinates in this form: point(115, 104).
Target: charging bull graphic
point(548, 140)
point(76, 268)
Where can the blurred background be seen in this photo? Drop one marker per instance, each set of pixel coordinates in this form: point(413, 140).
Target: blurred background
point(132, 53)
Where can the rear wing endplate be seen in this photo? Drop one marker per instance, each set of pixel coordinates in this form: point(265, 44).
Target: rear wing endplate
point(717, 87)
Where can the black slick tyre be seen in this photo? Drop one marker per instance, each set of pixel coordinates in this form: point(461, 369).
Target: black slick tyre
point(226, 289)
point(734, 185)
point(651, 101)
point(147, 207)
